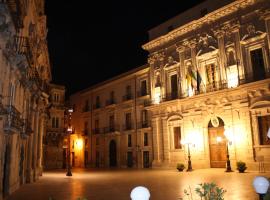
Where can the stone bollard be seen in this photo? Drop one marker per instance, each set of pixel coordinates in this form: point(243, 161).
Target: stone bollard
point(140, 193)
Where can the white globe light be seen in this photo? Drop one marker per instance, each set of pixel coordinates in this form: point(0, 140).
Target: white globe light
point(140, 193)
point(261, 184)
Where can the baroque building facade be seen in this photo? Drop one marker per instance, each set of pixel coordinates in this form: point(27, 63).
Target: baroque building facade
point(54, 155)
point(24, 76)
point(204, 90)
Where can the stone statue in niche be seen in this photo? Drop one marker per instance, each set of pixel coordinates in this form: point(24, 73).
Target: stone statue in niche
point(158, 82)
point(230, 55)
point(251, 32)
point(206, 44)
point(170, 62)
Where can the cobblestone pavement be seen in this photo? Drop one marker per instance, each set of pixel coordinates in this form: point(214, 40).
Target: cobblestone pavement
point(97, 184)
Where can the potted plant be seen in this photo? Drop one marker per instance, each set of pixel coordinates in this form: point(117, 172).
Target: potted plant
point(180, 167)
point(241, 166)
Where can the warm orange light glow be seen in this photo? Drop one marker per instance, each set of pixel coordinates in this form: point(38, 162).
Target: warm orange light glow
point(79, 143)
point(228, 134)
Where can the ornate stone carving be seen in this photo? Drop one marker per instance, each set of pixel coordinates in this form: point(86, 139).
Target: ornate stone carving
point(251, 32)
point(170, 62)
point(230, 56)
point(206, 43)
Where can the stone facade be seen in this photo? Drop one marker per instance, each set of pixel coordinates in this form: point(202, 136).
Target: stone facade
point(206, 90)
point(53, 151)
point(24, 76)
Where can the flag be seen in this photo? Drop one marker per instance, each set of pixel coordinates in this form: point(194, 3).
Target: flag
point(199, 80)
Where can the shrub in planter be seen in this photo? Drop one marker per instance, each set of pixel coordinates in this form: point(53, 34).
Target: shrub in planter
point(241, 166)
point(180, 167)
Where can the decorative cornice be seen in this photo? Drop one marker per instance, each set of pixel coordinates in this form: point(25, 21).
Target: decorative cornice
point(193, 25)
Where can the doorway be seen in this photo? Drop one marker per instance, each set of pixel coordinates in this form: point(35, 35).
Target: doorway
point(129, 159)
point(217, 144)
point(113, 160)
point(146, 159)
point(73, 159)
point(5, 183)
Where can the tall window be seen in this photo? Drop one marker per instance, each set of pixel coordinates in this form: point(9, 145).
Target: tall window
point(174, 87)
point(128, 121)
point(144, 118)
point(112, 96)
point(56, 97)
point(257, 64)
point(85, 128)
point(264, 124)
point(97, 102)
point(211, 73)
point(55, 122)
point(143, 88)
point(111, 121)
point(145, 139)
point(97, 141)
point(128, 92)
point(177, 137)
point(96, 126)
point(129, 141)
point(86, 106)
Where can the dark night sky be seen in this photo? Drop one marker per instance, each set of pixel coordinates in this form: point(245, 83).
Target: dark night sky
point(90, 42)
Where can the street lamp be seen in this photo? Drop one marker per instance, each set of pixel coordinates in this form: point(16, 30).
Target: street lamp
point(228, 135)
point(188, 142)
point(261, 185)
point(69, 131)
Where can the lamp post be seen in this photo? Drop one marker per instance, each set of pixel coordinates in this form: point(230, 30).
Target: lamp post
point(69, 131)
point(261, 185)
point(228, 136)
point(189, 169)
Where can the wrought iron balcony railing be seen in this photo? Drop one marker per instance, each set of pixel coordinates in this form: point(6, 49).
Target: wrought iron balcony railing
point(127, 126)
point(143, 124)
point(14, 123)
point(110, 102)
point(127, 97)
point(111, 129)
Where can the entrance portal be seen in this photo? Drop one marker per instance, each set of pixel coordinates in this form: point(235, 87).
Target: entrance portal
point(113, 160)
point(217, 144)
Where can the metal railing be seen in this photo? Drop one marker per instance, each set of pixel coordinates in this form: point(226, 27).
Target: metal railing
point(14, 121)
point(127, 97)
point(110, 102)
point(111, 129)
point(143, 124)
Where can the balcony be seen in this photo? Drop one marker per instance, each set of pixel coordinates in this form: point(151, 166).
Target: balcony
point(96, 106)
point(127, 97)
point(110, 102)
point(127, 126)
point(14, 123)
point(112, 129)
point(85, 132)
point(97, 131)
point(143, 124)
point(27, 128)
point(86, 109)
point(142, 93)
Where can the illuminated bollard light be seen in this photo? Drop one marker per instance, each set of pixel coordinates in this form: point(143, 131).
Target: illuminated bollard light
point(261, 185)
point(140, 193)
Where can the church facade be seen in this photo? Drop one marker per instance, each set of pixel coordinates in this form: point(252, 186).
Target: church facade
point(203, 95)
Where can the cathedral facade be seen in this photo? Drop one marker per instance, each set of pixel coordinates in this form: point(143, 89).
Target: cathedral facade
point(24, 77)
point(202, 97)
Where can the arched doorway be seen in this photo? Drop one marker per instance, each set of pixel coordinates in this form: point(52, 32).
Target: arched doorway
point(217, 143)
point(113, 160)
point(5, 183)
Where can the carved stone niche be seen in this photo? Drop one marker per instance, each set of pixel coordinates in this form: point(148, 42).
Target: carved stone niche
point(170, 62)
point(230, 55)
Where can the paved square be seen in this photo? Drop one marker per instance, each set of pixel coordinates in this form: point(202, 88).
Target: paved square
point(95, 184)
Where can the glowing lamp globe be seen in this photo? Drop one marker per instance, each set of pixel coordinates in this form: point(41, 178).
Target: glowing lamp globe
point(140, 193)
point(261, 184)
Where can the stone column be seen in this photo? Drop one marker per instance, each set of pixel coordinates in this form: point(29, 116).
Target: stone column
point(166, 141)
point(35, 144)
point(182, 71)
point(29, 168)
point(151, 62)
point(267, 25)
point(238, 51)
point(222, 56)
point(40, 145)
point(156, 141)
